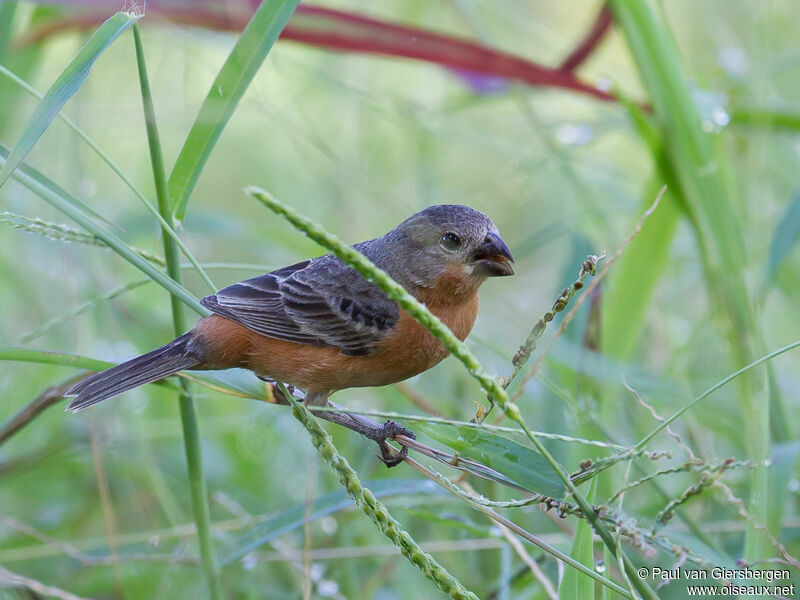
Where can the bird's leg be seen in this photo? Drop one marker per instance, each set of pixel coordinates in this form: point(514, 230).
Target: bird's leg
point(366, 427)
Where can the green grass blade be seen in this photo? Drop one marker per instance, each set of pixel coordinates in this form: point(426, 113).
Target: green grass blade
point(47, 357)
point(230, 84)
point(118, 291)
point(64, 87)
point(191, 431)
point(81, 214)
point(636, 276)
point(764, 117)
point(373, 508)
point(575, 585)
point(643, 263)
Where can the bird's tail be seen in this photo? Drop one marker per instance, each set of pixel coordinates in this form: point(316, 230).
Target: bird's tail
point(155, 365)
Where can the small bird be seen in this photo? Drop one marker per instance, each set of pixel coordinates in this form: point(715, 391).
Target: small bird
point(320, 326)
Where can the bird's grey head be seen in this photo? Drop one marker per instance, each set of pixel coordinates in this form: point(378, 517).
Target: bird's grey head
point(449, 237)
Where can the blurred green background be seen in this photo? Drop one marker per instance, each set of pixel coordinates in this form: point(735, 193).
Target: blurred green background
point(358, 143)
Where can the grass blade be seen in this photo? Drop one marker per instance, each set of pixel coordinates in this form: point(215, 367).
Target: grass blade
point(191, 430)
point(47, 357)
point(373, 508)
point(64, 87)
point(233, 79)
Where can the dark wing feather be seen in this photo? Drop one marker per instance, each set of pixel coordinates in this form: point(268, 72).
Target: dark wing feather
point(321, 302)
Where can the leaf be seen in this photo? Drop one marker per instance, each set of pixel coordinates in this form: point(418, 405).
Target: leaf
point(65, 86)
point(234, 382)
point(233, 79)
point(575, 585)
point(636, 275)
point(784, 237)
point(324, 505)
point(635, 279)
point(79, 212)
point(519, 463)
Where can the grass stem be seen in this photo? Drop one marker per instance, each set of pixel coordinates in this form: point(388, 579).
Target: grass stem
point(191, 433)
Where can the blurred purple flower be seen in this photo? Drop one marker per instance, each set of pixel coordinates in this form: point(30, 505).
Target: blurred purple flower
point(482, 83)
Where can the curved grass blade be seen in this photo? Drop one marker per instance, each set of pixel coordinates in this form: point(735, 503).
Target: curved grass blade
point(233, 79)
point(64, 87)
point(232, 382)
point(325, 505)
point(457, 348)
point(76, 210)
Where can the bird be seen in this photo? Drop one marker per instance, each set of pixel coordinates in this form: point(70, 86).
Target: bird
point(321, 327)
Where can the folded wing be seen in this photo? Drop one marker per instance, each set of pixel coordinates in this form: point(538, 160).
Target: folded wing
point(321, 302)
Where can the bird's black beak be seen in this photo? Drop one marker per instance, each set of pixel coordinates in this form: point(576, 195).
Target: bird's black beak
point(493, 258)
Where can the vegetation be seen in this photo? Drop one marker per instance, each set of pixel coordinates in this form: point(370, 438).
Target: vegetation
point(643, 418)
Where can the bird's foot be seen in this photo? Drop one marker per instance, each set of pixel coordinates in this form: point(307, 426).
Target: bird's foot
point(373, 431)
point(389, 430)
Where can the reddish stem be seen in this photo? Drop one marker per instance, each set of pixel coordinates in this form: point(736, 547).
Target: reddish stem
point(346, 31)
point(601, 26)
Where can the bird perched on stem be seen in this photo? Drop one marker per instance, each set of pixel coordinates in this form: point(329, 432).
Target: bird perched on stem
point(320, 326)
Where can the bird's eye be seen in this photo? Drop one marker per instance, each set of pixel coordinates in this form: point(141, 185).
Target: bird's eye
point(450, 241)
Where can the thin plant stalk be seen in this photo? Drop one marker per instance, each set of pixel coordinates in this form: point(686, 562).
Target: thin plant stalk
point(191, 433)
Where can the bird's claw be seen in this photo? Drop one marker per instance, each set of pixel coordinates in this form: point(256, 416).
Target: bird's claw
point(389, 430)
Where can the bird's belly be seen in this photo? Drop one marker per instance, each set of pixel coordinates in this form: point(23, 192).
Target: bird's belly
point(409, 350)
